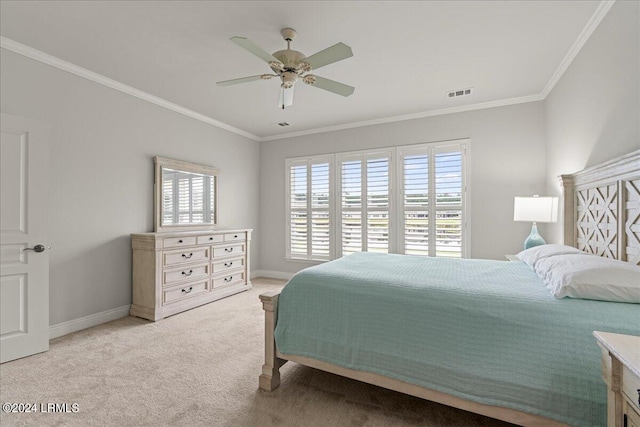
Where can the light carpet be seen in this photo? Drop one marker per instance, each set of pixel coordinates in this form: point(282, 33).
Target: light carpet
point(199, 368)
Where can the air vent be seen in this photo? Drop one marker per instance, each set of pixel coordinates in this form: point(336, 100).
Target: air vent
point(459, 92)
point(283, 124)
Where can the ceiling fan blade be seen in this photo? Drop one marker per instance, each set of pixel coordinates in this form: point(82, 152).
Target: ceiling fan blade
point(332, 54)
point(286, 97)
point(330, 85)
point(241, 80)
point(253, 48)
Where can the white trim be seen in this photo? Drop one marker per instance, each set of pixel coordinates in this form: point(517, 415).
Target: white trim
point(45, 58)
point(89, 321)
point(308, 163)
point(270, 274)
point(584, 35)
point(61, 64)
point(395, 209)
point(460, 109)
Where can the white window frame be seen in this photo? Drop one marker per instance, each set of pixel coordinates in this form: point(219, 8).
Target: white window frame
point(432, 149)
point(363, 156)
point(309, 162)
point(396, 195)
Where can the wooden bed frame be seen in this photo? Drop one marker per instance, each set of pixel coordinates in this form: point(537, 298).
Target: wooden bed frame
point(601, 216)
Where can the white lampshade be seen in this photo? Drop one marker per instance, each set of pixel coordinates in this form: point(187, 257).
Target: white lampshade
point(535, 209)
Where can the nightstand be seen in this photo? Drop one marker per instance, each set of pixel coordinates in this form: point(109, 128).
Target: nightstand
point(621, 372)
point(511, 258)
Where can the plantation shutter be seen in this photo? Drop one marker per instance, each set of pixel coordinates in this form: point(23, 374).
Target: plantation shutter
point(342, 203)
point(351, 206)
point(448, 206)
point(416, 204)
point(364, 202)
point(432, 187)
point(320, 214)
point(309, 213)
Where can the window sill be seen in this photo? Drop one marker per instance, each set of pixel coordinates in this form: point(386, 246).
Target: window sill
point(306, 261)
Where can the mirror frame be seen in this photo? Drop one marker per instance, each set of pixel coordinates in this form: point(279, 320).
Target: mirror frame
point(180, 165)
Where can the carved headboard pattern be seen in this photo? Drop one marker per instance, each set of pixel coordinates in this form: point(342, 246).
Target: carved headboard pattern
point(597, 220)
point(632, 224)
point(602, 209)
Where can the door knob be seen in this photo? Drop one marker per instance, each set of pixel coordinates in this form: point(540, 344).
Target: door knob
point(36, 248)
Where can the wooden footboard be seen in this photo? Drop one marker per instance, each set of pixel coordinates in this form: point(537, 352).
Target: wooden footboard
point(273, 360)
point(270, 377)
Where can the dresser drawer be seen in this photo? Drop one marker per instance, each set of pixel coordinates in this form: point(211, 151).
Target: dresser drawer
point(234, 237)
point(631, 387)
point(185, 256)
point(185, 273)
point(228, 250)
point(229, 264)
point(230, 279)
point(176, 242)
point(210, 238)
point(185, 291)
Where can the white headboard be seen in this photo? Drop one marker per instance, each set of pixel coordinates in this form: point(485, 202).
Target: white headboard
point(602, 209)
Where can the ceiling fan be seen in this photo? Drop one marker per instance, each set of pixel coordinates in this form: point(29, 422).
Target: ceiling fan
point(290, 65)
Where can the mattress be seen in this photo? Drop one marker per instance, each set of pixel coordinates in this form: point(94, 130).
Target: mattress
point(482, 330)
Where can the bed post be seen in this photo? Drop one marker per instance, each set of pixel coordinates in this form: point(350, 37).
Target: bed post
point(270, 377)
point(568, 210)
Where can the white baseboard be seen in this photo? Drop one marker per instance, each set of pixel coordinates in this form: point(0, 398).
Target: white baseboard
point(74, 325)
point(283, 275)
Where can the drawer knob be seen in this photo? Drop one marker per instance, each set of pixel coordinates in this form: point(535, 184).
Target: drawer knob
point(210, 238)
point(228, 249)
point(180, 241)
point(228, 279)
point(235, 237)
point(228, 264)
point(187, 274)
point(187, 291)
point(188, 256)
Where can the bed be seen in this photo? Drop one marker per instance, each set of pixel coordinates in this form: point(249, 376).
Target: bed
point(485, 336)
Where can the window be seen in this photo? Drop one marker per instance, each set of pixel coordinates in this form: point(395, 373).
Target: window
point(309, 213)
point(432, 189)
point(364, 202)
point(194, 197)
point(426, 216)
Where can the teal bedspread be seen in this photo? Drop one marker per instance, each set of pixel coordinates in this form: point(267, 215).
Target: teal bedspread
point(486, 331)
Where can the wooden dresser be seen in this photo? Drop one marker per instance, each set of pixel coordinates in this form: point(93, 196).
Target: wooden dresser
point(173, 272)
point(621, 372)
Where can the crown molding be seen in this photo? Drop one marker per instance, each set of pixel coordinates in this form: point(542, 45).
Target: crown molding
point(431, 113)
point(45, 58)
point(589, 28)
point(587, 31)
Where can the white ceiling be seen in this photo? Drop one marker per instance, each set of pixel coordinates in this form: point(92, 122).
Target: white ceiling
point(407, 55)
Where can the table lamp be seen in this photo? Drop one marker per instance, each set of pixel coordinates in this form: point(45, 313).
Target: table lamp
point(535, 209)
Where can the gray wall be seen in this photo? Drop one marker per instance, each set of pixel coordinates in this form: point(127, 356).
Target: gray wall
point(101, 177)
point(593, 112)
point(102, 142)
point(507, 158)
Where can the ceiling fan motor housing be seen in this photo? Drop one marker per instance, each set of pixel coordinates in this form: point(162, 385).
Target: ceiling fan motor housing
point(289, 78)
point(290, 58)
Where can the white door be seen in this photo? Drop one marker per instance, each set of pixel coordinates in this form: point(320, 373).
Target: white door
point(24, 266)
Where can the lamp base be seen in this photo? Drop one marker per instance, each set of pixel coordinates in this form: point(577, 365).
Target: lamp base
point(534, 238)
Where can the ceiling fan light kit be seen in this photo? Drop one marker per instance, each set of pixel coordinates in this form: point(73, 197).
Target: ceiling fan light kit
point(289, 65)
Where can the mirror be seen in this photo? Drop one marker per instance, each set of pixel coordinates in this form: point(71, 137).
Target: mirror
point(185, 195)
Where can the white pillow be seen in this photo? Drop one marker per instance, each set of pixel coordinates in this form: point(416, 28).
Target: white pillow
point(532, 255)
point(590, 277)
